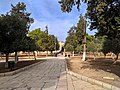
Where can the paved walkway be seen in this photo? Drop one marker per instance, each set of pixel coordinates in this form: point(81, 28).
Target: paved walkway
point(49, 75)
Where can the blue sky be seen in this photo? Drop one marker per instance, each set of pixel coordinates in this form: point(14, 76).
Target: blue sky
point(48, 12)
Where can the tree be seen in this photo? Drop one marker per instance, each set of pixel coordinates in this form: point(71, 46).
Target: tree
point(37, 35)
point(79, 49)
point(69, 48)
point(107, 46)
point(94, 44)
point(20, 10)
point(71, 39)
point(67, 5)
point(104, 17)
point(31, 46)
point(53, 43)
point(44, 41)
point(8, 33)
point(80, 29)
point(14, 27)
point(5, 35)
point(20, 28)
point(111, 46)
point(77, 35)
point(92, 47)
point(81, 34)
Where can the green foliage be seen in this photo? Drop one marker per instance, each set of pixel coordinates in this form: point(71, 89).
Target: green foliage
point(76, 35)
point(71, 39)
point(80, 29)
point(107, 46)
point(105, 17)
point(5, 40)
point(20, 10)
point(94, 44)
point(111, 46)
point(13, 29)
point(69, 48)
point(44, 41)
point(21, 35)
point(67, 5)
point(39, 37)
point(26, 44)
point(89, 37)
point(53, 43)
point(79, 48)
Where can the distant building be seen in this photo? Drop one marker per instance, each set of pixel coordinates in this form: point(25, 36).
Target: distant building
point(61, 43)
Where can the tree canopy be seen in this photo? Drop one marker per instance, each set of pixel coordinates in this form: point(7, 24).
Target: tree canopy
point(103, 15)
point(111, 46)
point(14, 26)
point(76, 35)
point(67, 5)
point(44, 41)
point(71, 40)
point(21, 31)
point(53, 43)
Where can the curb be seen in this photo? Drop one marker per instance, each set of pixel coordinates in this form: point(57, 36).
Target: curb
point(18, 70)
point(93, 81)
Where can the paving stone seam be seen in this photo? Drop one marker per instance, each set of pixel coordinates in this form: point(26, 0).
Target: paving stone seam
point(58, 78)
point(50, 67)
point(44, 70)
point(93, 81)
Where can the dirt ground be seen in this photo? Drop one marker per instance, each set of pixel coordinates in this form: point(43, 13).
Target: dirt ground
point(100, 69)
point(18, 65)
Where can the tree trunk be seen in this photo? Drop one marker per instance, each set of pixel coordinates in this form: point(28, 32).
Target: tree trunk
point(73, 53)
point(34, 55)
point(7, 58)
point(84, 52)
point(46, 53)
point(16, 57)
point(51, 53)
point(112, 55)
point(28, 54)
point(104, 55)
point(84, 46)
point(116, 59)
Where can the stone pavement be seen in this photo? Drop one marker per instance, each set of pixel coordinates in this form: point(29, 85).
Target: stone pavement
point(49, 75)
